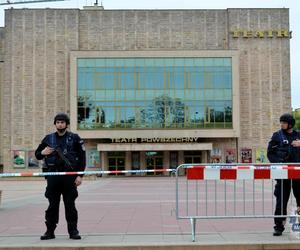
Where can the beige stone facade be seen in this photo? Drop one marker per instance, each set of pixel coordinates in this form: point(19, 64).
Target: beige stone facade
point(36, 76)
point(1, 82)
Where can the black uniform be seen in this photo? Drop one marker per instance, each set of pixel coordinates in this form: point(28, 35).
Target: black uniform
point(72, 148)
point(280, 150)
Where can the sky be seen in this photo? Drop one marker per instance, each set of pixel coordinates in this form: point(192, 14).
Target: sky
point(293, 5)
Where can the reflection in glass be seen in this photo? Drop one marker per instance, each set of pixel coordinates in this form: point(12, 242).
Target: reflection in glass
point(154, 93)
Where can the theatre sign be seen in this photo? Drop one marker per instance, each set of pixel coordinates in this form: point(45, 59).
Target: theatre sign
point(156, 140)
point(239, 33)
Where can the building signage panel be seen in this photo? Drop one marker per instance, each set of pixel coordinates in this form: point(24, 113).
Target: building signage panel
point(155, 140)
point(261, 33)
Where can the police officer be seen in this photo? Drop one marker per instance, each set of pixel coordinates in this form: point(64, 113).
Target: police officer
point(62, 151)
point(284, 147)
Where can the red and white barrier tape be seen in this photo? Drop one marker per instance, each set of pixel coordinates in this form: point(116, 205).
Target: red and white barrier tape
point(243, 172)
point(198, 172)
point(40, 174)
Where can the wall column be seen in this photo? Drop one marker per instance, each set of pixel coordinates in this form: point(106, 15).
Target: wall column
point(104, 160)
point(143, 161)
point(128, 162)
point(166, 161)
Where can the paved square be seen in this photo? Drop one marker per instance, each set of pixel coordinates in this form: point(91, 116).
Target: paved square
point(125, 210)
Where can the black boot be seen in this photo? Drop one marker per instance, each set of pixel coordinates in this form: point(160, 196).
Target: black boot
point(75, 236)
point(277, 232)
point(73, 232)
point(278, 229)
point(48, 235)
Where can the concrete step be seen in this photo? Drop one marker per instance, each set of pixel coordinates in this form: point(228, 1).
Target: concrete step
point(209, 241)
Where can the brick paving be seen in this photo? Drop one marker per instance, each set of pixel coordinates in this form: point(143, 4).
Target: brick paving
point(119, 210)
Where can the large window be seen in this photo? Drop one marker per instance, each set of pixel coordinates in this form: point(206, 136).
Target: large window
point(154, 93)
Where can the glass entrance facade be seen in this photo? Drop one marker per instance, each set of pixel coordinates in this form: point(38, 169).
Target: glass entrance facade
point(154, 93)
point(154, 160)
point(192, 157)
point(116, 161)
point(149, 160)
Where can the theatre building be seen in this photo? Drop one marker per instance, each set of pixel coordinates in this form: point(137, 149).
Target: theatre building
point(145, 89)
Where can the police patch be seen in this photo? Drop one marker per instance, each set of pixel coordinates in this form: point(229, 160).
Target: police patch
point(82, 145)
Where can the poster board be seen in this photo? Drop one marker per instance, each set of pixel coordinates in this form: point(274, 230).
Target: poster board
point(18, 158)
point(230, 155)
point(246, 155)
point(216, 155)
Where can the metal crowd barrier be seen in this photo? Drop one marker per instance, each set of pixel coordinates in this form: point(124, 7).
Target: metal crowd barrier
point(220, 191)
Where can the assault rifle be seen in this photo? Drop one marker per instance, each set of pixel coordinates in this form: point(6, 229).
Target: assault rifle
point(61, 155)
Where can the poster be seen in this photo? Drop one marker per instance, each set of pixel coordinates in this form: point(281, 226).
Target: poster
point(246, 155)
point(230, 156)
point(32, 161)
point(261, 155)
point(216, 155)
point(19, 158)
point(93, 158)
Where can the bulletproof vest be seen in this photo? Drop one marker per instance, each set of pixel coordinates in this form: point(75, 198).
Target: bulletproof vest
point(285, 148)
point(66, 147)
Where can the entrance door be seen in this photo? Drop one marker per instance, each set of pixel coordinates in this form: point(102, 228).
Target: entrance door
point(154, 160)
point(116, 161)
point(192, 157)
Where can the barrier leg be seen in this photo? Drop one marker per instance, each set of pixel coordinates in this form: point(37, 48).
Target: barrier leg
point(193, 224)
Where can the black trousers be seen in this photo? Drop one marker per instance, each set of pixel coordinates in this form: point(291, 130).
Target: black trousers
point(282, 193)
point(65, 186)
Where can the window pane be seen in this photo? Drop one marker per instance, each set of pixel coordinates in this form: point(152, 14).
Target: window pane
point(154, 93)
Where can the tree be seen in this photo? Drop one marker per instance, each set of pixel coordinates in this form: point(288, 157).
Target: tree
point(84, 108)
point(296, 114)
point(228, 114)
point(163, 112)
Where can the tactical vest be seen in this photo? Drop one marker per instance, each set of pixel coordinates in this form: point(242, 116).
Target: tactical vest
point(53, 161)
point(286, 150)
point(283, 138)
